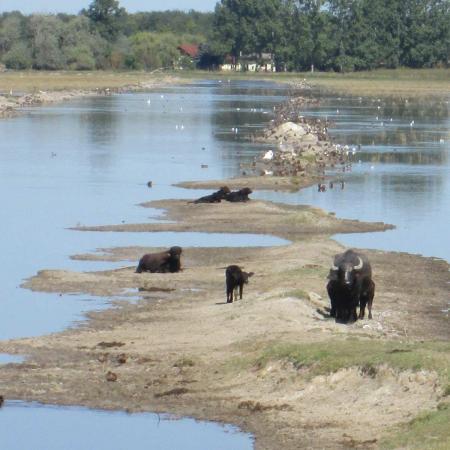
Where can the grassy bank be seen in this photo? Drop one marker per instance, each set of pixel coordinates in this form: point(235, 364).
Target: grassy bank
point(399, 82)
point(33, 81)
point(428, 430)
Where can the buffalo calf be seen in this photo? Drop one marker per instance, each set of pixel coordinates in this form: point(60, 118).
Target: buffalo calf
point(235, 278)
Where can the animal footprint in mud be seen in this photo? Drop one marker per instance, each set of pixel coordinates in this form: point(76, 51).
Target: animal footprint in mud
point(111, 376)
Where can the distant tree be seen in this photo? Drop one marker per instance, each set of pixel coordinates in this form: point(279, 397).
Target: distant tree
point(18, 57)
point(152, 50)
point(247, 26)
point(107, 17)
point(11, 28)
point(46, 36)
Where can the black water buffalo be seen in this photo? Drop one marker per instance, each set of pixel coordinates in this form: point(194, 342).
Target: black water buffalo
point(235, 278)
point(168, 261)
point(239, 196)
point(350, 285)
point(216, 197)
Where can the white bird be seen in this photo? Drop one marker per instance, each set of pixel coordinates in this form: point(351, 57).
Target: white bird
point(412, 123)
point(148, 102)
point(236, 130)
point(268, 155)
point(268, 172)
point(238, 109)
point(182, 127)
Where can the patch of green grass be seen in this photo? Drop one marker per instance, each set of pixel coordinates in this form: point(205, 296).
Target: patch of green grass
point(430, 431)
point(296, 293)
point(322, 358)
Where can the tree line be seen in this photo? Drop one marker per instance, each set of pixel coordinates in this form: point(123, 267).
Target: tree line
point(102, 36)
point(339, 35)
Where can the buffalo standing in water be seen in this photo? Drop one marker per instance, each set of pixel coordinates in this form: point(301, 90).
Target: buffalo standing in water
point(168, 261)
point(350, 285)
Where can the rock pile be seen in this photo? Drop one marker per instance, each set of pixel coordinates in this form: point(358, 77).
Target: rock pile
point(303, 146)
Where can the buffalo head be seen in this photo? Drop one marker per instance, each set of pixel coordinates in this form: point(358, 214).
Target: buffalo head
point(346, 267)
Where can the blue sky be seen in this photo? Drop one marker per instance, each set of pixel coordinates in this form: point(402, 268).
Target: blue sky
point(73, 6)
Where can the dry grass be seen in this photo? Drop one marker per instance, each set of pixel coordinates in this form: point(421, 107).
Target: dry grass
point(380, 83)
point(399, 82)
point(32, 81)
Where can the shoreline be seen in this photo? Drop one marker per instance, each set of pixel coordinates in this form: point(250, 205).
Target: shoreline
point(266, 364)
point(11, 105)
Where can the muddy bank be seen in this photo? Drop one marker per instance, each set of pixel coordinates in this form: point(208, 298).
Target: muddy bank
point(10, 105)
point(273, 363)
point(287, 221)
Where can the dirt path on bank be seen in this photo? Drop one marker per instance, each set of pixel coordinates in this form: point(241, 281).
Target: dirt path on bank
point(272, 363)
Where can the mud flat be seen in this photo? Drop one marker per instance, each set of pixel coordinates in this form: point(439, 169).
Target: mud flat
point(37, 89)
point(272, 363)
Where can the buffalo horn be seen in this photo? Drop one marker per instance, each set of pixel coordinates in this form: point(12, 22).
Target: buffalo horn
point(359, 265)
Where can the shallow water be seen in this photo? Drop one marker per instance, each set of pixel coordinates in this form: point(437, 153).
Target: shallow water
point(400, 173)
point(40, 427)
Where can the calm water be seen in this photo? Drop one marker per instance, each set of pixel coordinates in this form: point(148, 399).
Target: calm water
point(46, 428)
point(88, 162)
point(400, 174)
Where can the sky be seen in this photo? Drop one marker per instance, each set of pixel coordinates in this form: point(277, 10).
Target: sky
point(74, 6)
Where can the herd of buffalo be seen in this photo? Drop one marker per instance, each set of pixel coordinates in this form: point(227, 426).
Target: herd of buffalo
point(350, 283)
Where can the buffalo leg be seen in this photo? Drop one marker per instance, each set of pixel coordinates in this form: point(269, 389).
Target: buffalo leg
point(362, 309)
point(371, 295)
point(229, 295)
point(241, 288)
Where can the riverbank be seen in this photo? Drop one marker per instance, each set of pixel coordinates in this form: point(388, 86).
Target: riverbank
point(401, 83)
point(272, 363)
point(24, 89)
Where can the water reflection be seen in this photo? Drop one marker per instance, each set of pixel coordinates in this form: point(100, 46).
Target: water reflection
point(38, 427)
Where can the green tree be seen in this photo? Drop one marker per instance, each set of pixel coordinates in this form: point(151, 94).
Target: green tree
point(46, 36)
point(107, 17)
point(18, 57)
point(10, 31)
point(247, 26)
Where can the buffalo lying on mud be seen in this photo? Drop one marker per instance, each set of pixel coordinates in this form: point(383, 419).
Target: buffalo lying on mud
point(168, 261)
point(216, 197)
point(239, 196)
point(235, 278)
point(350, 285)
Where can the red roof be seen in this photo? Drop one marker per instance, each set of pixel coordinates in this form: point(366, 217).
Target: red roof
point(189, 49)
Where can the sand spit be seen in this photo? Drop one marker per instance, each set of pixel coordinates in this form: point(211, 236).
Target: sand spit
point(11, 105)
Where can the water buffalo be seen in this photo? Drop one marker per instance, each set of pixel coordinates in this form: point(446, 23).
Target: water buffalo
point(239, 196)
point(235, 278)
point(216, 197)
point(168, 261)
point(350, 285)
